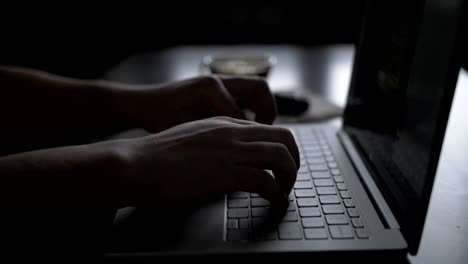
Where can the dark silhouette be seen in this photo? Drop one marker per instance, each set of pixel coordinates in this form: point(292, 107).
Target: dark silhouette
point(201, 146)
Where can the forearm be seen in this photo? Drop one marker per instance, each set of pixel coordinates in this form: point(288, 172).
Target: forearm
point(42, 110)
point(86, 176)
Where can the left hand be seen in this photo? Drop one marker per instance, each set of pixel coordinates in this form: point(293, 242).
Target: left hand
point(157, 108)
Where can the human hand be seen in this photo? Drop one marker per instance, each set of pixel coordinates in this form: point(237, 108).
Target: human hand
point(157, 108)
point(192, 163)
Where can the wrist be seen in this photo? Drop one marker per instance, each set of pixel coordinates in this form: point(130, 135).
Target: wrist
point(121, 99)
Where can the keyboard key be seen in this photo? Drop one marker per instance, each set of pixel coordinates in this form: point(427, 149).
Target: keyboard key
point(313, 155)
point(320, 174)
point(238, 213)
point(335, 171)
point(303, 185)
point(341, 232)
point(345, 195)
point(292, 207)
point(326, 190)
point(303, 177)
point(290, 217)
point(321, 139)
point(237, 195)
point(332, 209)
point(312, 222)
point(324, 144)
point(325, 147)
point(233, 224)
point(260, 212)
point(311, 148)
point(348, 203)
point(289, 231)
point(330, 158)
point(238, 235)
point(307, 137)
point(332, 165)
point(309, 142)
point(309, 212)
point(352, 212)
point(291, 197)
point(315, 233)
point(303, 169)
point(357, 222)
point(337, 219)
point(341, 186)
point(312, 151)
point(327, 153)
point(259, 202)
point(316, 160)
point(323, 182)
point(304, 193)
point(307, 202)
point(338, 178)
point(244, 223)
point(238, 203)
point(362, 233)
point(254, 195)
point(318, 167)
point(307, 133)
point(329, 199)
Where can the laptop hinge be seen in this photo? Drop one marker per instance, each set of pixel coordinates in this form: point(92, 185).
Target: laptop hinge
point(369, 184)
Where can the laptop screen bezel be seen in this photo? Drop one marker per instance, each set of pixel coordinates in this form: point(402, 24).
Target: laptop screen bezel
point(432, 9)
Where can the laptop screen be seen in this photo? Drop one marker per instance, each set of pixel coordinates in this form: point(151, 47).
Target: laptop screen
point(399, 103)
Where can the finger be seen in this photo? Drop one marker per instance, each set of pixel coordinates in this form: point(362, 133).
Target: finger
point(270, 156)
point(259, 181)
point(235, 121)
point(218, 99)
point(255, 94)
point(221, 121)
point(271, 134)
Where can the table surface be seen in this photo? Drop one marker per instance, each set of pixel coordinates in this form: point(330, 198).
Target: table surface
point(326, 71)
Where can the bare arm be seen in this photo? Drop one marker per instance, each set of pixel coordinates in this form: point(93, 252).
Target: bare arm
point(86, 176)
point(43, 110)
point(186, 165)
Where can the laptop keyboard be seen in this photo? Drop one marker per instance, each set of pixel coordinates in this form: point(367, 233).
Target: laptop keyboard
point(321, 207)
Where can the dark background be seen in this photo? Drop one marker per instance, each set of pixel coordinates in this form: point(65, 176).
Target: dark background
point(83, 40)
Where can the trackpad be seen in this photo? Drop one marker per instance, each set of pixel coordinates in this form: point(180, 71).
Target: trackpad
point(145, 229)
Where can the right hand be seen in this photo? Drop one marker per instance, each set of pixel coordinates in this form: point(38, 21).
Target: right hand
point(159, 107)
point(193, 163)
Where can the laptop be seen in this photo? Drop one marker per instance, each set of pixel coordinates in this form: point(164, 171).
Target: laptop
point(363, 186)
